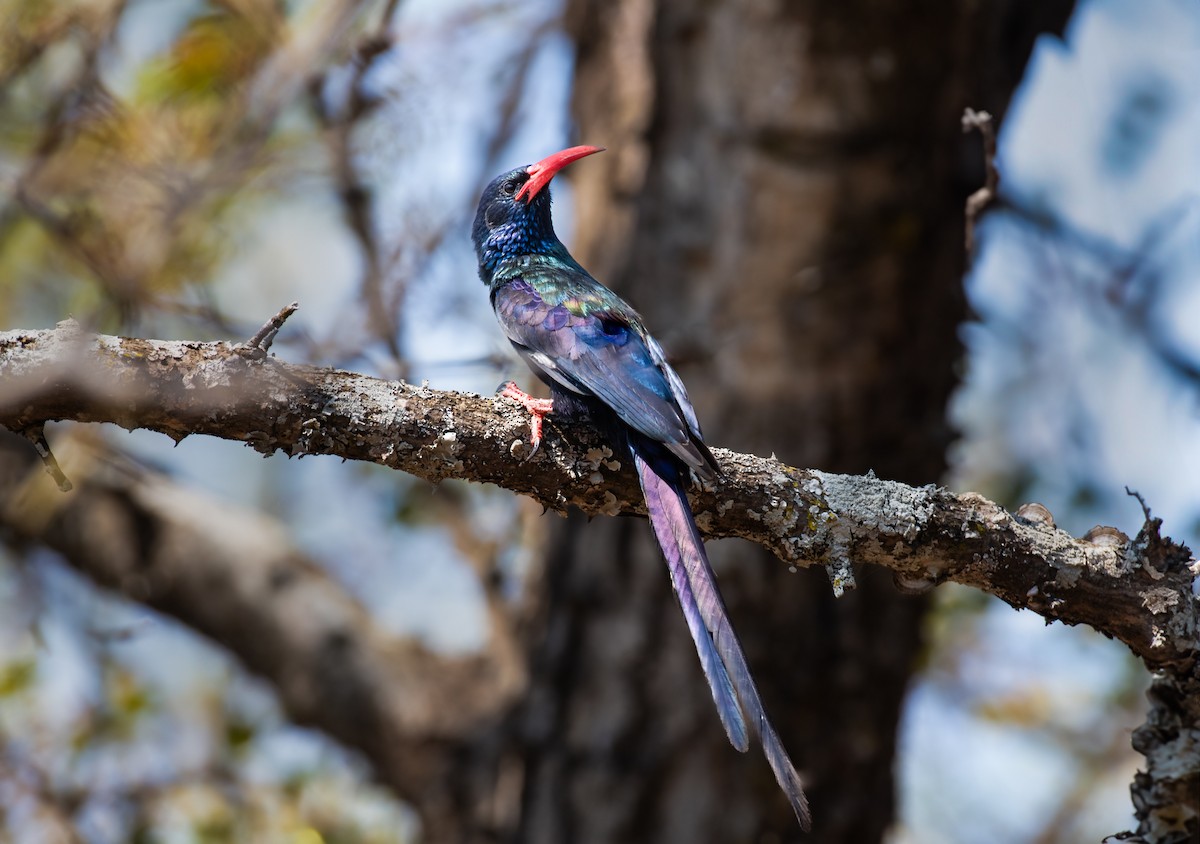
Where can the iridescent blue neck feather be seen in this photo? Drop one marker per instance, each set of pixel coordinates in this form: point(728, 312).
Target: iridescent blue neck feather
point(509, 248)
point(510, 233)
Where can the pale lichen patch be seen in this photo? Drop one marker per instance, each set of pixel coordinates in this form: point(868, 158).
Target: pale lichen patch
point(610, 506)
point(596, 455)
point(1160, 599)
point(890, 507)
point(1068, 573)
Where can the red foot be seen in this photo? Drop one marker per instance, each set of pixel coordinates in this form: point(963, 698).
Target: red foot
point(538, 409)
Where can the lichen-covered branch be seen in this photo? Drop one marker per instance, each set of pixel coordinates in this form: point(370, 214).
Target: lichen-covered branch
point(1137, 591)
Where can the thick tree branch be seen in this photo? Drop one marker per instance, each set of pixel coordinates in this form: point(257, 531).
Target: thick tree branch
point(1138, 592)
point(237, 578)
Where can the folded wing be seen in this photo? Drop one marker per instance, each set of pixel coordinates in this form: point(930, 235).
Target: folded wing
point(602, 351)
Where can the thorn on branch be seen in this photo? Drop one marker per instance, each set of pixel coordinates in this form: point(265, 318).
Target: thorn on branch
point(984, 123)
point(256, 347)
point(36, 434)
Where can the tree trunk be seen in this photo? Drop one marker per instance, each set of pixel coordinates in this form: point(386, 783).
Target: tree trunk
point(782, 199)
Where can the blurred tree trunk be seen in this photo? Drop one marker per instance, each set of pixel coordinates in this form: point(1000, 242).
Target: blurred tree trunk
point(782, 199)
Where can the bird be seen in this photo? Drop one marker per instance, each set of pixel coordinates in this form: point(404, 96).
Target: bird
point(594, 352)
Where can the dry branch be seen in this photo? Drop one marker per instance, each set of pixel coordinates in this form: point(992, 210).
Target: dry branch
point(237, 578)
point(1138, 592)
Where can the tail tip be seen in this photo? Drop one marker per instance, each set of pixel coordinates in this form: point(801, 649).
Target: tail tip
point(803, 815)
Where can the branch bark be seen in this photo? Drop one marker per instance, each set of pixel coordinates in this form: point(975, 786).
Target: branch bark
point(1139, 591)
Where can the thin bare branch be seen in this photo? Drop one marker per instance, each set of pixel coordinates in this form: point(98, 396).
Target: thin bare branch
point(36, 434)
point(982, 122)
point(333, 665)
point(258, 345)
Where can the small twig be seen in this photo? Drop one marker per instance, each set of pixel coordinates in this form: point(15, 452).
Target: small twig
point(353, 189)
point(1118, 267)
point(1157, 555)
point(1140, 500)
point(256, 347)
point(389, 12)
point(983, 122)
point(123, 633)
point(36, 434)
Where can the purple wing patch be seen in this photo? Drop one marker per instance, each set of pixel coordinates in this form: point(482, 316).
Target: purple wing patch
point(598, 352)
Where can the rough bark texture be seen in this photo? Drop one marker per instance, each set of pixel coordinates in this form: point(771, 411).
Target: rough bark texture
point(424, 719)
point(925, 535)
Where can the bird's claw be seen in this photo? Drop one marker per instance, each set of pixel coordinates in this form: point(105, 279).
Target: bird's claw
point(537, 408)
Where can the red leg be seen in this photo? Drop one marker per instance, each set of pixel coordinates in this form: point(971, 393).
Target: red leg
point(538, 409)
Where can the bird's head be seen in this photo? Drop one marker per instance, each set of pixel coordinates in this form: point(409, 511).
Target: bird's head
point(513, 218)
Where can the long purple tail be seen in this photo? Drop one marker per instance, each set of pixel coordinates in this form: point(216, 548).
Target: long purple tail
point(720, 652)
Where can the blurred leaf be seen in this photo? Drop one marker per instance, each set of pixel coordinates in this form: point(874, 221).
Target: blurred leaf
point(127, 694)
point(307, 835)
point(17, 676)
point(28, 26)
point(218, 830)
point(214, 54)
point(295, 783)
point(1029, 708)
point(132, 192)
point(83, 734)
point(239, 734)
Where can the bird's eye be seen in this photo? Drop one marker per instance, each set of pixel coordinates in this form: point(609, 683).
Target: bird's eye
point(509, 187)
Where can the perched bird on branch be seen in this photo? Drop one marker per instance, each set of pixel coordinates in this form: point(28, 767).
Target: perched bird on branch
point(600, 362)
